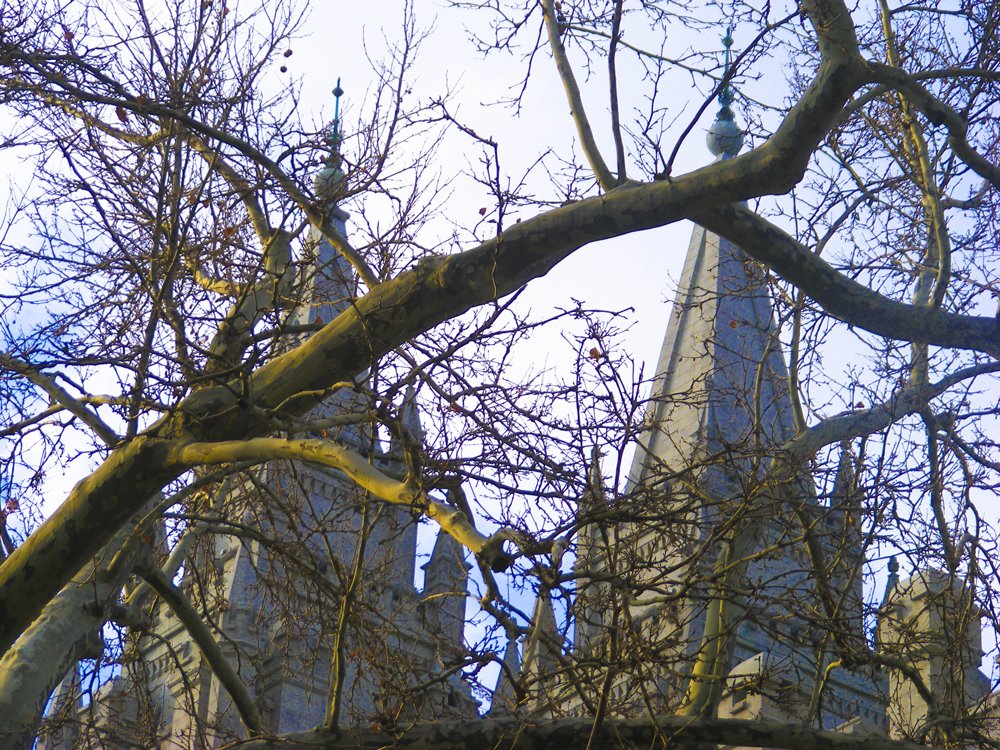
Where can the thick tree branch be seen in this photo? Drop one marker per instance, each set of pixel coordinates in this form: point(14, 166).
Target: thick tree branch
point(553, 28)
point(616, 124)
point(435, 290)
point(843, 297)
point(220, 665)
point(73, 620)
point(322, 452)
point(910, 400)
point(573, 734)
point(326, 453)
point(271, 291)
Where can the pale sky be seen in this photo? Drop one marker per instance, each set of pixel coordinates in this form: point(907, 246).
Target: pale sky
point(634, 271)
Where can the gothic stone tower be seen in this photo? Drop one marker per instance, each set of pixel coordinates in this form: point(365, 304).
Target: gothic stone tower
point(702, 488)
point(278, 617)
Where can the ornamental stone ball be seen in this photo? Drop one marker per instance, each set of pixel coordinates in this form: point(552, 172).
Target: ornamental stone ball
point(724, 138)
point(327, 182)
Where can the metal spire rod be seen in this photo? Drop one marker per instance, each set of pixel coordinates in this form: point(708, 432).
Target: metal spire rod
point(726, 95)
point(334, 137)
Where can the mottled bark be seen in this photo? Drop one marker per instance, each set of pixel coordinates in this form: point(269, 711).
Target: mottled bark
point(66, 632)
point(567, 734)
point(841, 296)
point(442, 287)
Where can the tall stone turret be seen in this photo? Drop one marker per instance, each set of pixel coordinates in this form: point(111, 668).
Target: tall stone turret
point(542, 651)
point(446, 576)
point(930, 630)
point(441, 622)
point(328, 283)
point(592, 557)
point(845, 545)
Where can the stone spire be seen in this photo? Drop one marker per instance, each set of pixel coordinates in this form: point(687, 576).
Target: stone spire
point(327, 282)
point(721, 381)
point(843, 496)
point(409, 423)
point(398, 527)
point(591, 556)
point(506, 699)
point(891, 581)
point(446, 576)
point(719, 414)
point(846, 545)
point(541, 652)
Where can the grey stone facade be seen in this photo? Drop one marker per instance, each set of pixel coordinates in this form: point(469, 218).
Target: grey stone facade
point(701, 486)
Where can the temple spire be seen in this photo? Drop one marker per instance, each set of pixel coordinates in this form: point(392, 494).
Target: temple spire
point(721, 383)
point(541, 652)
point(719, 418)
point(328, 281)
point(409, 425)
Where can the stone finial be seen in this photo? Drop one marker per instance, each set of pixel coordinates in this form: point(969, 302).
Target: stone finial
point(329, 179)
point(409, 416)
point(725, 137)
point(891, 581)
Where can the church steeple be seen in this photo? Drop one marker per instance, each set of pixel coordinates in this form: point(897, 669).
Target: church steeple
point(721, 383)
point(541, 654)
point(506, 698)
point(719, 414)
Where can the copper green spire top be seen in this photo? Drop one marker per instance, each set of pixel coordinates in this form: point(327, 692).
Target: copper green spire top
point(337, 93)
point(725, 138)
point(329, 178)
point(333, 135)
point(726, 95)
